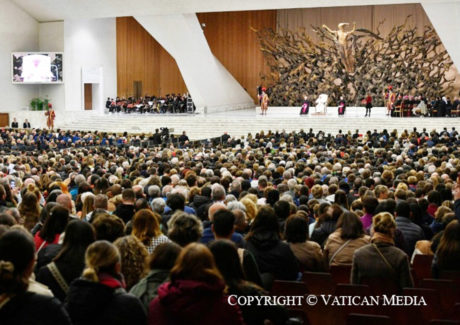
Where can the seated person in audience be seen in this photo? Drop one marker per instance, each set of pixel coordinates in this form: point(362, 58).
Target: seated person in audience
point(308, 253)
point(273, 256)
point(447, 256)
point(369, 206)
point(160, 263)
point(222, 227)
point(99, 297)
point(345, 240)
point(125, 210)
point(411, 231)
point(381, 259)
point(326, 224)
point(70, 260)
point(108, 226)
point(195, 285)
point(18, 305)
point(146, 227)
point(133, 258)
point(228, 262)
point(184, 228)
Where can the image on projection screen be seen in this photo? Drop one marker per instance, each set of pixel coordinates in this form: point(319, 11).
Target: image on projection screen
point(37, 67)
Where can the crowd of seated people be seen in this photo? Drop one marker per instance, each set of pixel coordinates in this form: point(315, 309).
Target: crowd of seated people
point(171, 103)
point(407, 106)
point(159, 234)
point(43, 139)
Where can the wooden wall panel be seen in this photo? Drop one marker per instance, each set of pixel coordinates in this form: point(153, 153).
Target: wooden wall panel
point(235, 45)
point(141, 58)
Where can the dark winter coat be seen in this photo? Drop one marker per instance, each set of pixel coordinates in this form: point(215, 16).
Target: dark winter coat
point(273, 256)
point(91, 303)
point(33, 309)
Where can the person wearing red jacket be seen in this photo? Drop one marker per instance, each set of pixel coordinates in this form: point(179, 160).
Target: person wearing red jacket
point(195, 294)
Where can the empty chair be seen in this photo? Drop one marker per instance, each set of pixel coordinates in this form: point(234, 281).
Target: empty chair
point(288, 288)
point(352, 290)
point(456, 311)
point(451, 275)
point(319, 283)
point(363, 319)
point(381, 286)
point(323, 314)
point(340, 273)
point(447, 289)
point(422, 267)
point(292, 288)
point(422, 313)
point(355, 290)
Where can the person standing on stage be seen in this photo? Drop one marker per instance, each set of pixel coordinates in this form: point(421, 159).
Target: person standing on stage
point(259, 94)
point(50, 116)
point(14, 124)
point(305, 106)
point(391, 99)
point(264, 102)
point(341, 106)
point(368, 102)
point(26, 124)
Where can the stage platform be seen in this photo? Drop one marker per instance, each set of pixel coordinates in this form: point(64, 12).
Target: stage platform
point(241, 122)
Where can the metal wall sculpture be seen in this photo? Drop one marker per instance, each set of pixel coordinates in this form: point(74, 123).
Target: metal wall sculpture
point(354, 63)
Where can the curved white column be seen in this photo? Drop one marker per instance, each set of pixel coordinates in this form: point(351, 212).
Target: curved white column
point(212, 87)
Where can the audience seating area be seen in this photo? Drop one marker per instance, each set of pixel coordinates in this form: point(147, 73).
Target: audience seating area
point(147, 230)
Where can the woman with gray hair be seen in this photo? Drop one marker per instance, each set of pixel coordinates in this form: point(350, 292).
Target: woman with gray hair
point(158, 205)
point(184, 228)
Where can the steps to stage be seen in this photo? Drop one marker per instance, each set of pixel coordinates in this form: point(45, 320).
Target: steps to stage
point(241, 122)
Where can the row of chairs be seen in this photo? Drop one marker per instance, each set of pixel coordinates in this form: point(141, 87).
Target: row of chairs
point(441, 295)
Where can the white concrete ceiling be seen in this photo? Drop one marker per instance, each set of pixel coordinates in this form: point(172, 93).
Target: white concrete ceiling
point(51, 10)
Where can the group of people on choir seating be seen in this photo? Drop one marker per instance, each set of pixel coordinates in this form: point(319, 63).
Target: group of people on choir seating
point(167, 235)
point(406, 106)
point(171, 103)
point(15, 124)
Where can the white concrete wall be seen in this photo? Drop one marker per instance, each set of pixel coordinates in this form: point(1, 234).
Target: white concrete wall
point(445, 17)
point(212, 87)
point(37, 119)
point(89, 44)
point(51, 39)
point(18, 32)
